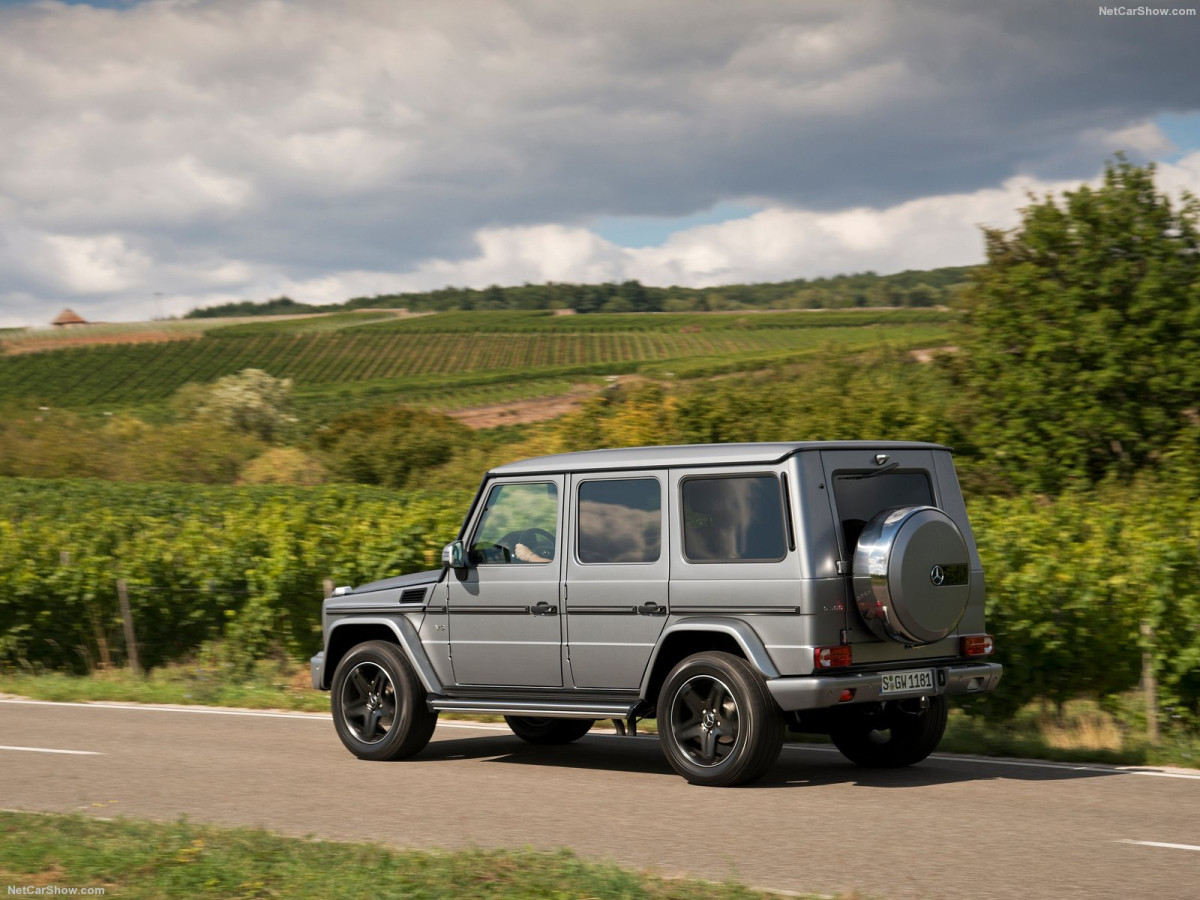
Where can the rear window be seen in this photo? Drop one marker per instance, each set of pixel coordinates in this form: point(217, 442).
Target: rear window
point(733, 519)
point(620, 521)
point(860, 496)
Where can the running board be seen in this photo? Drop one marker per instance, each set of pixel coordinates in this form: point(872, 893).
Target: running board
point(545, 709)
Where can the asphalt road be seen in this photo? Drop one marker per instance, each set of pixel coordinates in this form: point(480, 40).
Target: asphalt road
point(950, 827)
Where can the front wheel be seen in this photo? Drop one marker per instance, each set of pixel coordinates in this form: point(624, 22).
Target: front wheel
point(902, 733)
point(548, 731)
point(378, 703)
point(718, 724)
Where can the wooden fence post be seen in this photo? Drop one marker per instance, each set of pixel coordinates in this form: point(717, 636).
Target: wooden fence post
point(131, 646)
point(1149, 683)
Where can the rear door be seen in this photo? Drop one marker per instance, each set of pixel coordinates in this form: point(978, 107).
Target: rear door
point(617, 576)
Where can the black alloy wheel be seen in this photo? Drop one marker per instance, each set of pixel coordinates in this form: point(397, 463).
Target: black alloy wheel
point(718, 724)
point(378, 703)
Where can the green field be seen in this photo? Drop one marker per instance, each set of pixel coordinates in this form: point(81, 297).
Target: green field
point(453, 359)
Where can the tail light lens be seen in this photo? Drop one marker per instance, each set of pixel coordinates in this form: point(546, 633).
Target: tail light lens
point(831, 657)
point(978, 645)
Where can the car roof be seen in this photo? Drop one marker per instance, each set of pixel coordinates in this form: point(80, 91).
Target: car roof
point(689, 455)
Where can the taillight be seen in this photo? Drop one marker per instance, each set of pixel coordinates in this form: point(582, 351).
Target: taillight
point(831, 657)
point(978, 645)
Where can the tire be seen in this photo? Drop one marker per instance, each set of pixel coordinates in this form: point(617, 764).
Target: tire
point(548, 731)
point(897, 736)
point(717, 722)
point(378, 703)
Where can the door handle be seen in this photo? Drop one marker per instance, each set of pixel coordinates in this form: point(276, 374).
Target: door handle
point(543, 609)
point(651, 609)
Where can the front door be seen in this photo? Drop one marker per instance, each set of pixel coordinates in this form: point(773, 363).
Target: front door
point(505, 622)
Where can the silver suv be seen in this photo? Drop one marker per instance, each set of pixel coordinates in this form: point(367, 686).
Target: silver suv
point(728, 591)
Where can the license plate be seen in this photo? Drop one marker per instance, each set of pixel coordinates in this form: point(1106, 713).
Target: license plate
point(916, 681)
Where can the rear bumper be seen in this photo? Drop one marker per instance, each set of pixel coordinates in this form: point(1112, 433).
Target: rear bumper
point(820, 691)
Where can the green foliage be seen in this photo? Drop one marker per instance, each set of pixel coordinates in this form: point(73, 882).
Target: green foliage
point(280, 306)
point(911, 288)
point(59, 444)
point(390, 447)
point(876, 395)
point(1083, 344)
point(1070, 581)
point(201, 563)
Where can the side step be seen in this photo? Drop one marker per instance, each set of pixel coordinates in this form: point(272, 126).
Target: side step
point(545, 709)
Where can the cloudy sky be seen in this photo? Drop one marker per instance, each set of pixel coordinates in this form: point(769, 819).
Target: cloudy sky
point(161, 155)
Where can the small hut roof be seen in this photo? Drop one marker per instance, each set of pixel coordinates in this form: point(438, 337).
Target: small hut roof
point(69, 317)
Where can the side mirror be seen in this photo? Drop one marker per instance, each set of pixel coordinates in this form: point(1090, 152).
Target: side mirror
point(454, 556)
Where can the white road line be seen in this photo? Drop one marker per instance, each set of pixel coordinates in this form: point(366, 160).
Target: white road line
point(1067, 767)
point(1159, 844)
point(807, 748)
point(197, 710)
point(49, 750)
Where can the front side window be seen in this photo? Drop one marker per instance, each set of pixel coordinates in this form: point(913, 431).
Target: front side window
point(733, 519)
point(620, 521)
point(518, 525)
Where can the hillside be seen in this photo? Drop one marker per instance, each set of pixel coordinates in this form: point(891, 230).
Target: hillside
point(450, 360)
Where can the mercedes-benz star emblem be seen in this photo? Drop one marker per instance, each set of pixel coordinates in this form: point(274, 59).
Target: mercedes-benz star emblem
point(937, 575)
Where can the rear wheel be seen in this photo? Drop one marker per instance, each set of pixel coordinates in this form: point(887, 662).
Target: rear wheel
point(717, 721)
point(378, 703)
point(900, 734)
point(548, 731)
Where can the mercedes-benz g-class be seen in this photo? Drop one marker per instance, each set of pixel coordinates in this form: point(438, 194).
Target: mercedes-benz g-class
point(727, 591)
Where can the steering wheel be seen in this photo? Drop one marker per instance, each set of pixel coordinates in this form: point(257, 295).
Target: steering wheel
point(539, 541)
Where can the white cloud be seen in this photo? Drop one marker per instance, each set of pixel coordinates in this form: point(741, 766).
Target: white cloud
point(1144, 138)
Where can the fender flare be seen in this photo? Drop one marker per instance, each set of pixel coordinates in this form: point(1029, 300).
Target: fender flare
point(407, 638)
point(747, 638)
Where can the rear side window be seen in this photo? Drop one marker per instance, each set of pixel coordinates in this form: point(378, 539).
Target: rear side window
point(620, 521)
point(733, 519)
point(860, 496)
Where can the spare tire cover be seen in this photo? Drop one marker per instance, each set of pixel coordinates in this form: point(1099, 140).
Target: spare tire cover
point(912, 574)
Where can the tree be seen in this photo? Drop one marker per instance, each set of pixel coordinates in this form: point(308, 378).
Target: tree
point(1083, 337)
point(251, 402)
point(392, 447)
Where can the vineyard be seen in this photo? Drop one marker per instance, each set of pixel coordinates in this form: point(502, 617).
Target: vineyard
point(426, 355)
point(246, 566)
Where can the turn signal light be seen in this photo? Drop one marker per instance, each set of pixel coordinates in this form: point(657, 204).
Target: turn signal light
point(978, 645)
point(831, 657)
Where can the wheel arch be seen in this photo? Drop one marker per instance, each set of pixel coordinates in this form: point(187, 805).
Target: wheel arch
point(348, 633)
point(681, 639)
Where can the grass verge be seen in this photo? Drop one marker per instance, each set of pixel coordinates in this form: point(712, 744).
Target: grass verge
point(133, 859)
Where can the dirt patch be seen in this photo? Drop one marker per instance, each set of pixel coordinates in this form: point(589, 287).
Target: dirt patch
point(524, 412)
point(926, 354)
point(82, 339)
point(535, 409)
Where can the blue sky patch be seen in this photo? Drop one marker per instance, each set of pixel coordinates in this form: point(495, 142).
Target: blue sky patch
point(651, 231)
